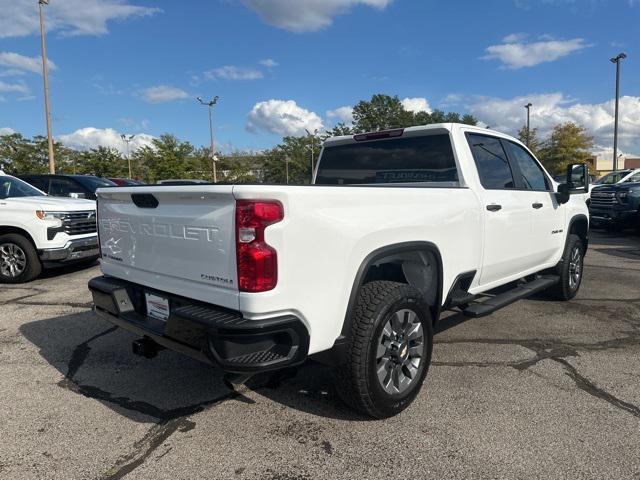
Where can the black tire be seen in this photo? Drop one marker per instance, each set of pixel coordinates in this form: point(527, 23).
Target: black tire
point(568, 287)
point(18, 247)
point(357, 378)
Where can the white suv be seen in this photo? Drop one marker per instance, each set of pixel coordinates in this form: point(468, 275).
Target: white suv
point(38, 231)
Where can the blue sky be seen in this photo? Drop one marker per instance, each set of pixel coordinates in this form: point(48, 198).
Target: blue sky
point(280, 66)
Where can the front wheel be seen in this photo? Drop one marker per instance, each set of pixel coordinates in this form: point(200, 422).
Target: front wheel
point(569, 270)
point(389, 349)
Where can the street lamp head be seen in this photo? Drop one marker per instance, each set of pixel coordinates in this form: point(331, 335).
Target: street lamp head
point(528, 105)
point(620, 56)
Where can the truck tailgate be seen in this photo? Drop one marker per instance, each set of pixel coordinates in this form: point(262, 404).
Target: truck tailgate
point(175, 239)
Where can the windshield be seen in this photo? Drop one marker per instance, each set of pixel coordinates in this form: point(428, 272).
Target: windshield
point(613, 177)
point(94, 183)
point(11, 187)
point(426, 158)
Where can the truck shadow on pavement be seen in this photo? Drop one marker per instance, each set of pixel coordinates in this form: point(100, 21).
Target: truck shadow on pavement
point(66, 269)
point(95, 360)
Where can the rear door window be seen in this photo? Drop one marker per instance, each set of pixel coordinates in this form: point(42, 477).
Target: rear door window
point(63, 187)
point(491, 161)
point(399, 160)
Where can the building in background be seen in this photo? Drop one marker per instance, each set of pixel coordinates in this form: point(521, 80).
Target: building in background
point(602, 162)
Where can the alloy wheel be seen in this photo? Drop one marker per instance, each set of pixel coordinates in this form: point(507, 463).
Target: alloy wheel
point(399, 353)
point(13, 260)
point(575, 268)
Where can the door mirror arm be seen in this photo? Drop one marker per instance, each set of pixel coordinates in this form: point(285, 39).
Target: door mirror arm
point(562, 196)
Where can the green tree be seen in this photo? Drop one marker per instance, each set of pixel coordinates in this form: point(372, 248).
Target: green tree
point(535, 144)
point(569, 143)
point(380, 113)
point(384, 112)
point(293, 153)
point(101, 161)
point(167, 157)
point(241, 167)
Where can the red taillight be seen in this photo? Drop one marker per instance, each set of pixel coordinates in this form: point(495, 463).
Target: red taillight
point(257, 261)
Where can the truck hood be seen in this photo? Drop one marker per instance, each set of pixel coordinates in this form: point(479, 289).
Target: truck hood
point(56, 203)
point(616, 187)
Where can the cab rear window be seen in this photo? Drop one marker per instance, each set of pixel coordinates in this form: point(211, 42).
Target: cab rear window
point(399, 160)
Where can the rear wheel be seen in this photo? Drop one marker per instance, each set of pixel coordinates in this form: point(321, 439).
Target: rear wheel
point(570, 270)
point(19, 260)
point(389, 349)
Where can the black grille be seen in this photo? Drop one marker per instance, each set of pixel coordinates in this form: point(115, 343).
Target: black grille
point(79, 223)
point(603, 199)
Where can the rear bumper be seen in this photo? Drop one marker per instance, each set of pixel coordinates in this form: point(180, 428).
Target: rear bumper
point(76, 249)
point(206, 332)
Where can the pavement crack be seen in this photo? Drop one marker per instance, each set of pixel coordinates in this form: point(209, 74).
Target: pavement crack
point(144, 447)
point(588, 386)
point(80, 353)
point(168, 421)
point(57, 304)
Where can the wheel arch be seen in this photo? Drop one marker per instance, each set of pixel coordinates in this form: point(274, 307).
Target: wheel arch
point(579, 225)
point(394, 253)
point(5, 229)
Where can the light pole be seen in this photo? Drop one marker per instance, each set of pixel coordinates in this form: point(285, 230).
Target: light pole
point(528, 107)
point(45, 76)
point(312, 137)
point(286, 168)
point(616, 60)
point(127, 139)
point(210, 104)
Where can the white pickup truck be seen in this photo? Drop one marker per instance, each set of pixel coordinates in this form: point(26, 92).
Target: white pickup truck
point(38, 231)
point(354, 270)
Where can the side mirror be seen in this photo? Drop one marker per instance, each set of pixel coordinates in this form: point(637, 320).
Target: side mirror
point(578, 178)
point(577, 182)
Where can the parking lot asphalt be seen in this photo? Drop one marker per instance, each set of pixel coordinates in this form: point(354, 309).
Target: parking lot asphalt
point(540, 389)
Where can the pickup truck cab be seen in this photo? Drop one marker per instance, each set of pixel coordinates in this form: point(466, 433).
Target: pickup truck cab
point(38, 231)
point(354, 270)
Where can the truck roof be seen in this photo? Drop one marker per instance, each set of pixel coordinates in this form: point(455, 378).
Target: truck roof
point(415, 130)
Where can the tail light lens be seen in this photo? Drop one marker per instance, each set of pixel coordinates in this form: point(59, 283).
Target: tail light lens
point(257, 261)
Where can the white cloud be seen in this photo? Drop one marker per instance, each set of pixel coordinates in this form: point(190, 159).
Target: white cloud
point(268, 62)
point(306, 15)
point(416, 104)
point(13, 87)
point(550, 109)
point(6, 131)
point(282, 117)
point(70, 17)
point(90, 137)
point(341, 114)
point(514, 53)
point(18, 62)
point(231, 72)
point(163, 93)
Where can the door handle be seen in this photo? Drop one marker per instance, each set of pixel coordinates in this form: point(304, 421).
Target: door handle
point(537, 205)
point(494, 208)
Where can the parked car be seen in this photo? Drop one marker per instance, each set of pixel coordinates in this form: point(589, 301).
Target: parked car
point(617, 206)
point(126, 182)
point(353, 271)
point(187, 181)
point(73, 186)
point(39, 231)
point(618, 176)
